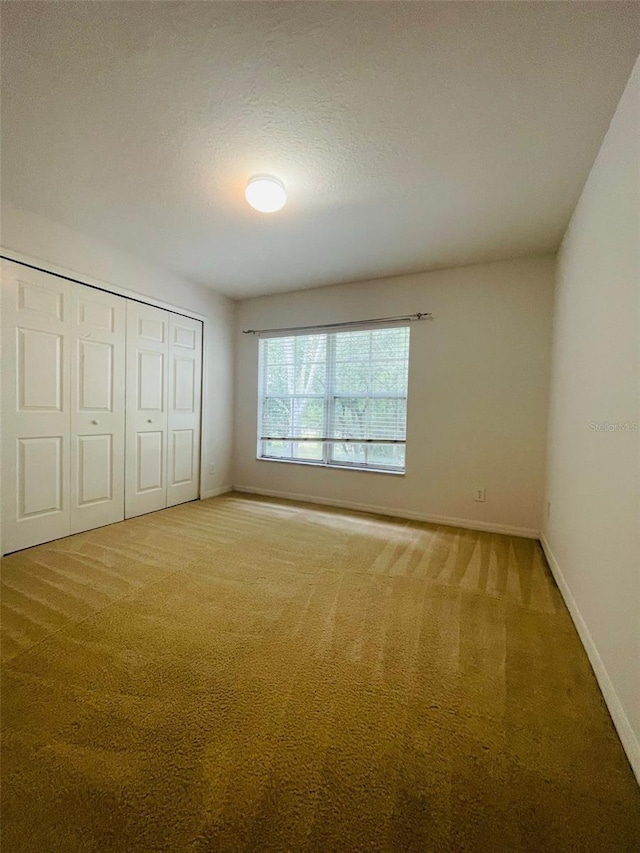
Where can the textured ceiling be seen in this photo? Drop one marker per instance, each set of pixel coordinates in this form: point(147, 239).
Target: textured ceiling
point(410, 135)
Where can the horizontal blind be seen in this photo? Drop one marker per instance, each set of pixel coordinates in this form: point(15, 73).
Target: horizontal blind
point(335, 397)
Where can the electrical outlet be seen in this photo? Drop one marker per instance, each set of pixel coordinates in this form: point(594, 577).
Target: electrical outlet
point(212, 469)
point(479, 495)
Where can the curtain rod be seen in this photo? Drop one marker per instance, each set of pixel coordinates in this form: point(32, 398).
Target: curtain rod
point(419, 316)
point(301, 438)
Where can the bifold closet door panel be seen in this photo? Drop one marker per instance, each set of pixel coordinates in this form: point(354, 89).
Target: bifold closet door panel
point(146, 409)
point(98, 335)
point(36, 314)
point(185, 382)
point(101, 399)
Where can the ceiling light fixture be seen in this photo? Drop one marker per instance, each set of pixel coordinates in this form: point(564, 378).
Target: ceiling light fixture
point(265, 193)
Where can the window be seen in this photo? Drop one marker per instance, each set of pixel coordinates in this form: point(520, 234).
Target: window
point(335, 398)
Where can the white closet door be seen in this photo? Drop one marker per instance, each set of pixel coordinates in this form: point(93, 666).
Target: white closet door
point(36, 406)
point(185, 379)
point(146, 409)
point(98, 337)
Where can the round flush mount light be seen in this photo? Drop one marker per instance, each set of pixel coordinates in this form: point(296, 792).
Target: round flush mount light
point(265, 193)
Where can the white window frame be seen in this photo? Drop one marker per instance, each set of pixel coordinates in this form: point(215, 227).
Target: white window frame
point(329, 397)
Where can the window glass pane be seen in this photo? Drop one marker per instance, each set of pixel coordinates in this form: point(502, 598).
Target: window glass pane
point(280, 379)
point(386, 455)
point(308, 451)
point(310, 348)
point(352, 346)
point(279, 350)
point(369, 417)
point(310, 378)
point(389, 377)
point(389, 343)
point(276, 416)
point(308, 417)
point(386, 418)
point(348, 454)
point(352, 377)
point(277, 449)
point(310, 364)
point(349, 418)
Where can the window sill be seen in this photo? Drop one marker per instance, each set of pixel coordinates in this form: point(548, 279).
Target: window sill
point(332, 466)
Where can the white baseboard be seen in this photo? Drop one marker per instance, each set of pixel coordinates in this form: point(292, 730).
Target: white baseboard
point(470, 524)
point(621, 721)
point(213, 493)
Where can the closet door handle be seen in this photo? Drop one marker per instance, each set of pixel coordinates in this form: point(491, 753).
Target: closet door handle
point(149, 421)
point(96, 422)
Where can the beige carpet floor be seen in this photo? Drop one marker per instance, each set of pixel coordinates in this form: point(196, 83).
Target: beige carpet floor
point(243, 674)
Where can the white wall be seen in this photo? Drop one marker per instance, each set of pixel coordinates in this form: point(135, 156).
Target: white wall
point(592, 535)
point(478, 383)
point(59, 248)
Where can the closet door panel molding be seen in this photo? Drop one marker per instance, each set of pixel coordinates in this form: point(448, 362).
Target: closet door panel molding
point(98, 406)
point(146, 409)
point(36, 317)
point(185, 381)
